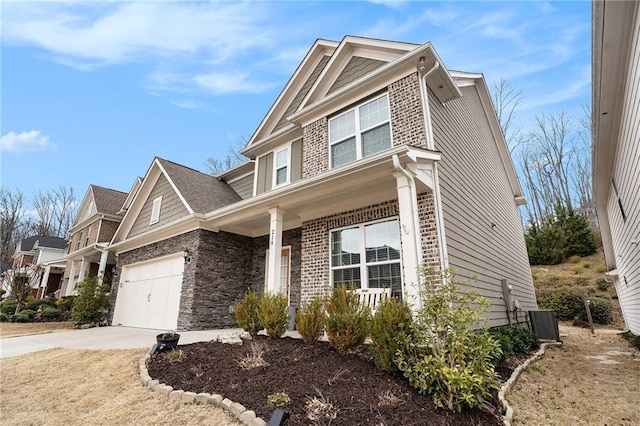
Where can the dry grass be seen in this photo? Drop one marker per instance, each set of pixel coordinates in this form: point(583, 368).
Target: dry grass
point(590, 380)
point(63, 386)
point(11, 329)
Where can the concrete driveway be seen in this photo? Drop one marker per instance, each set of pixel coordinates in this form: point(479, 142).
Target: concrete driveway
point(114, 337)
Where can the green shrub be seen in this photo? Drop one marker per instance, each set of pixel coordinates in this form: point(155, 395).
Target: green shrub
point(273, 314)
point(35, 304)
point(580, 238)
point(603, 284)
point(390, 326)
point(545, 244)
point(91, 305)
point(4, 317)
point(310, 320)
point(8, 307)
point(279, 399)
point(347, 320)
point(65, 303)
point(247, 313)
point(574, 259)
point(515, 340)
point(600, 310)
point(632, 339)
point(457, 372)
point(25, 315)
point(50, 312)
point(582, 281)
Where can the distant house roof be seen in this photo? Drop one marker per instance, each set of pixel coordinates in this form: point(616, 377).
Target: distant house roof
point(108, 201)
point(202, 192)
point(50, 242)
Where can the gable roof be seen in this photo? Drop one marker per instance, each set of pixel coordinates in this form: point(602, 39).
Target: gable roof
point(337, 73)
point(107, 201)
point(27, 244)
point(199, 192)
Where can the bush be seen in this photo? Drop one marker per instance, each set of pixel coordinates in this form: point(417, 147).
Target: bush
point(247, 313)
point(457, 372)
point(515, 340)
point(390, 326)
point(8, 307)
point(574, 259)
point(65, 303)
point(49, 312)
point(347, 320)
point(545, 244)
point(568, 304)
point(91, 305)
point(603, 284)
point(273, 314)
point(35, 304)
point(24, 315)
point(4, 317)
point(580, 238)
point(310, 320)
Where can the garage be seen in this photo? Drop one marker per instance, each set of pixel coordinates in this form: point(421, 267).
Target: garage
point(149, 294)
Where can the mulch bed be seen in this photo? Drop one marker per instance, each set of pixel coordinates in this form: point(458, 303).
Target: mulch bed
point(362, 393)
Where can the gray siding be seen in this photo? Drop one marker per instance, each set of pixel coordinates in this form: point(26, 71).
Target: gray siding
point(295, 103)
point(265, 173)
point(243, 186)
point(356, 68)
point(296, 160)
point(626, 172)
point(172, 208)
point(476, 195)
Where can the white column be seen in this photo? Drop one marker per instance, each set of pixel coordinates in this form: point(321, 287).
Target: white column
point(83, 269)
point(103, 265)
point(71, 283)
point(45, 280)
point(408, 231)
point(275, 249)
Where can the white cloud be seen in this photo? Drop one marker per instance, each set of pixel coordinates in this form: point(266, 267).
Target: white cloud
point(577, 87)
point(220, 83)
point(32, 140)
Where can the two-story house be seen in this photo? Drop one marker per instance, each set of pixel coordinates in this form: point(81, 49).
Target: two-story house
point(374, 161)
point(95, 224)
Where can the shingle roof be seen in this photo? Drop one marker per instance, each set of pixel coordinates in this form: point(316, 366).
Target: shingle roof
point(108, 201)
point(51, 242)
point(203, 192)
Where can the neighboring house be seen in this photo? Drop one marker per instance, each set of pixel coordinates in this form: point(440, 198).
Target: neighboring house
point(616, 152)
point(374, 161)
point(38, 262)
point(95, 224)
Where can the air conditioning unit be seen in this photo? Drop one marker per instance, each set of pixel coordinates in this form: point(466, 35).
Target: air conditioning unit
point(545, 324)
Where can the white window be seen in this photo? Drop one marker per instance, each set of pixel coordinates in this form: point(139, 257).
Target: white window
point(367, 256)
point(155, 211)
point(86, 240)
point(281, 167)
point(79, 241)
point(360, 132)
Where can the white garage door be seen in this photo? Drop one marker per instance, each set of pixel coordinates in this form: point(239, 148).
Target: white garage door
point(149, 294)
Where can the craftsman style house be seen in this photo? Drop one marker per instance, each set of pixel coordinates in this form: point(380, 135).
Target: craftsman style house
point(374, 161)
point(95, 224)
point(616, 153)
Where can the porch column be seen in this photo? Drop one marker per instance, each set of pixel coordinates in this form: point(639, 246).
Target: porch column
point(409, 231)
point(275, 249)
point(83, 269)
point(45, 281)
point(103, 266)
point(68, 291)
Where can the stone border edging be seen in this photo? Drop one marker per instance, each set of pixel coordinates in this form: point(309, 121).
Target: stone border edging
point(508, 385)
point(246, 417)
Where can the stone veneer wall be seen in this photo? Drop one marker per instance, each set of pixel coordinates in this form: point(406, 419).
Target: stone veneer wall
point(315, 240)
point(293, 238)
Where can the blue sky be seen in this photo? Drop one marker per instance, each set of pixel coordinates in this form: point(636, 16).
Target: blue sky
point(91, 92)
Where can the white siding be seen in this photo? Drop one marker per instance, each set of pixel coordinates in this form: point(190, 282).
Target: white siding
point(626, 172)
point(476, 195)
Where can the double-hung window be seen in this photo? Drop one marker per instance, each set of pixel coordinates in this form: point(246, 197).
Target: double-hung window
point(360, 132)
point(367, 256)
point(281, 166)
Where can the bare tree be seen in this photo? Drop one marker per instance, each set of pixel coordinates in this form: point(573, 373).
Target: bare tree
point(13, 224)
point(55, 211)
point(506, 100)
point(232, 159)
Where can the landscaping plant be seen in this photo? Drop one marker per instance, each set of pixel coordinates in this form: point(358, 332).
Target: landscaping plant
point(310, 320)
point(273, 314)
point(514, 340)
point(347, 320)
point(247, 311)
point(92, 304)
point(390, 325)
point(456, 370)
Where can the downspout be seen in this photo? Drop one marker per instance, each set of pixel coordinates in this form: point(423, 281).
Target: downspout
point(437, 200)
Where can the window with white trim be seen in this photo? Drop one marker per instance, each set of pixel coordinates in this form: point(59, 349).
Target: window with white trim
point(360, 132)
point(281, 166)
point(367, 256)
point(86, 240)
point(79, 241)
point(155, 210)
